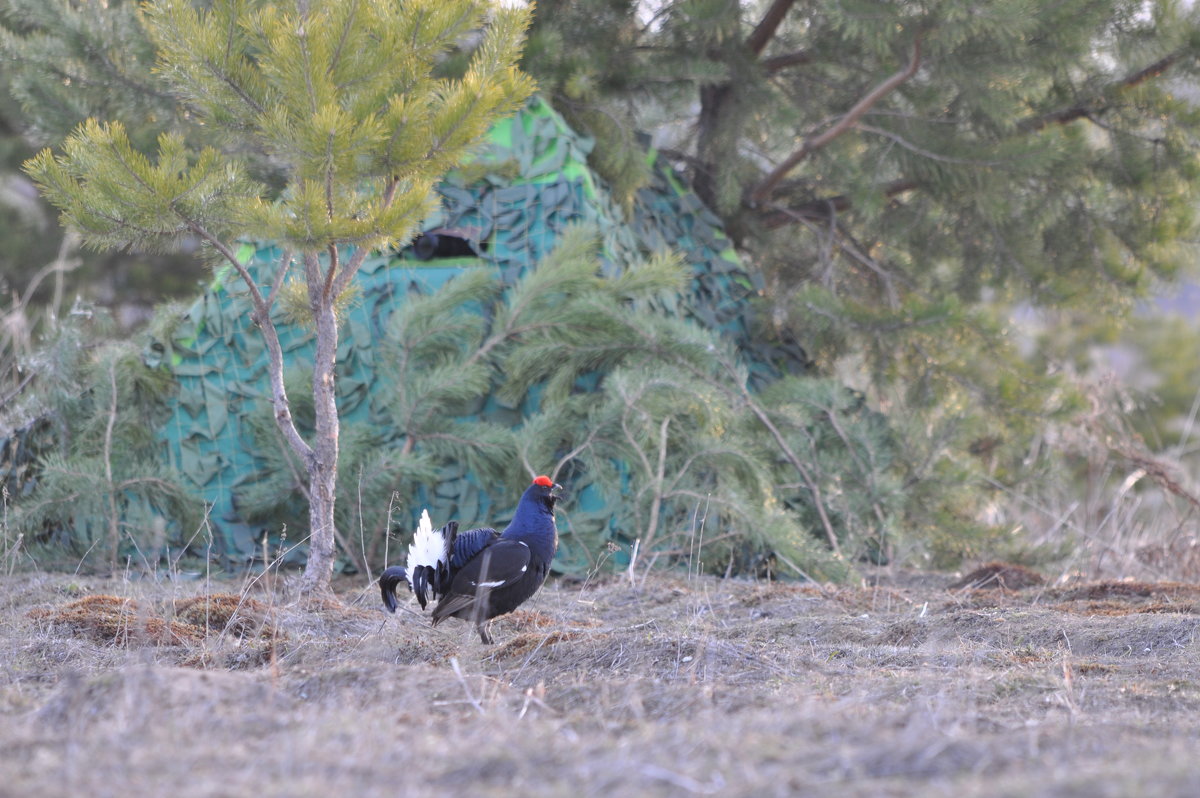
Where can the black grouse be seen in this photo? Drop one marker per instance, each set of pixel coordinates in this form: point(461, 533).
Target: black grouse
point(479, 574)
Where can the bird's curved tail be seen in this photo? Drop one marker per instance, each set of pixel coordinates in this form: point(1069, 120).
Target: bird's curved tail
point(389, 580)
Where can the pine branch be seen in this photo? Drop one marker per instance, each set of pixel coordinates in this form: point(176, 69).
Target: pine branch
point(261, 316)
point(821, 210)
point(735, 388)
point(774, 216)
point(777, 63)
point(342, 280)
point(759, 193)
point(1100, 104)
point(805, 474)
point(866, 470)
point(762, 34)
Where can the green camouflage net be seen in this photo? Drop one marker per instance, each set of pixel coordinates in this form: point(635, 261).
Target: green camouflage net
point(504, 211)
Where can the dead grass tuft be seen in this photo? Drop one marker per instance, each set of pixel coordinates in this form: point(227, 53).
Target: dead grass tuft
point(125, 622)
point(1124, 590)
point(1090, 668)
point(909, 632)
point(1117, 607)
point(226, 613)
point(526, 620)
point(1002, 575)
point(329, 604)
point(221, 630)
point(527, 642)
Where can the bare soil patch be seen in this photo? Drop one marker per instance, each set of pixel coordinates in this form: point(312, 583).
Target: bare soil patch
point(917, 685)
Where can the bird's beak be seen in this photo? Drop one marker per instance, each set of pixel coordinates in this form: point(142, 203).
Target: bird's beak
point(556, 491)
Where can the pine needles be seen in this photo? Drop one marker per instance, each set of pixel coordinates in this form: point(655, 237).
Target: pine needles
point(103, 492)
point(647, 413)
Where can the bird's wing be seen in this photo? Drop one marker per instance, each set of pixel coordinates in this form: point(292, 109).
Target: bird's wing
point(468, 544)
point(500, 564)
point(496, 566)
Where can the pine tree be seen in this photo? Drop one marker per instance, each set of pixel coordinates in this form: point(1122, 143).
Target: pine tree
point(637, 408)
point(343, 101)
point(65, 62)
point(87, 478)
point(906, 173)
point(70, 61)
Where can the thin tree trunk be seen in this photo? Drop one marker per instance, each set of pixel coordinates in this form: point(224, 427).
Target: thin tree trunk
point(110, 486)
point(709, 141)
point(323, 461)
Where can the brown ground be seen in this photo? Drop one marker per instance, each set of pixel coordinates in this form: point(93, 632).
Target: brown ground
point(677, 687)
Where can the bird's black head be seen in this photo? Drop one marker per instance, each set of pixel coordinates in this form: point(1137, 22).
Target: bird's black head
point(533, 520)
point(545, 491)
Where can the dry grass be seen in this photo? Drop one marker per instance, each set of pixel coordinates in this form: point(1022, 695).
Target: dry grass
point(680, 687)
point(1004, 576)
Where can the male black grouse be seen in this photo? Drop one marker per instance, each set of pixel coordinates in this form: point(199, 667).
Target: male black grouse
point(480, 573)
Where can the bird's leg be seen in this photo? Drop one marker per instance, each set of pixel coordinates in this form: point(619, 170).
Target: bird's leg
point(484, 637)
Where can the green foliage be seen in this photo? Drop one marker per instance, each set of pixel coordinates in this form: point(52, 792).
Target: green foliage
point(115, 196)
point(640, 408)
point(1035, 156)
point(344, 102)
point(585, 81)
point(104, 492)
point(68, 62)
point(65, 62)
point(1166, 355)
point(360, 129)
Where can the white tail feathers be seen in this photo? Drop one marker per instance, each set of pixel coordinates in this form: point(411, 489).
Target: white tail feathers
point(429, 548)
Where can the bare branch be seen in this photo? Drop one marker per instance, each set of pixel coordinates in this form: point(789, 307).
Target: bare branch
point(4, 400)
point(930, 154)
point(867, 470)
point(777, 63)
point(809, 482)
point(262, 317)
point(571, 455)
point(763, 190)
point(114, 514)
point(757, 41)
point(285, 264)
point(328, 295)
point(737, 389)
point(776, 215)
point(1100, 103)
point(659, 482)
point(347, 271)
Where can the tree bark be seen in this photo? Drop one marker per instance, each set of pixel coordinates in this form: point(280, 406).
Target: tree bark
point(322, 462)
point(714, 100)
point(719, 123)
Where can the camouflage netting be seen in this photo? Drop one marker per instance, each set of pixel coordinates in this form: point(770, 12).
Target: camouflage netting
point(505, 211)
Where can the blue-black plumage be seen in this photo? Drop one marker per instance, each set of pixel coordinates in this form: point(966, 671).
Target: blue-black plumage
point(479, 574)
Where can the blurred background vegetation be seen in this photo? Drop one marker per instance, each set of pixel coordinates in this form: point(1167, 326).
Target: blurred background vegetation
point(979, 218)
